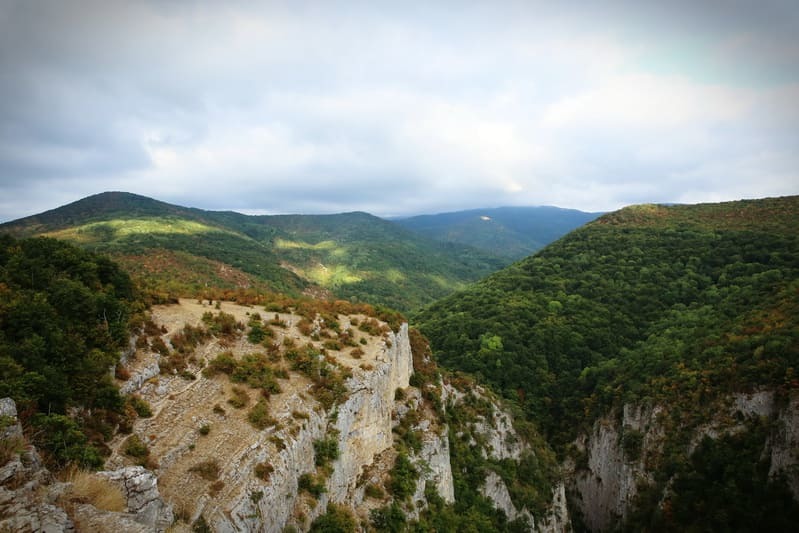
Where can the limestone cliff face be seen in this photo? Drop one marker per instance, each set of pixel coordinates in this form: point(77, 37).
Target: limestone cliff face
point(363, 424)
point(499, 440)
point(609, 481)
point(609, 484)
point(364, 420)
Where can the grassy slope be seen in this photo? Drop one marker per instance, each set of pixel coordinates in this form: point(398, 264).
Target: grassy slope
point(513, 232)
point(354, 255)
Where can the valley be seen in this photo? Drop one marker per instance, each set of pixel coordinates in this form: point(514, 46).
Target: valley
point(639, 373)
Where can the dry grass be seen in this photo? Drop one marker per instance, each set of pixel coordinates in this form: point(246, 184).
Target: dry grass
point(10, 447)
point(89, 488)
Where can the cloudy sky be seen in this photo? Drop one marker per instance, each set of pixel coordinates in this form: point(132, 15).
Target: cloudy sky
point(397, 107)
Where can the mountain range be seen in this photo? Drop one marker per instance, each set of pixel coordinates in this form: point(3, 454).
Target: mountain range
point(512, 232)
point(647, 359)
point(356, 256)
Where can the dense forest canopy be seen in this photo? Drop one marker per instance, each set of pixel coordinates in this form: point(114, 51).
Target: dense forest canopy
point(676, 306)
point(649, 303)
point(64, 315)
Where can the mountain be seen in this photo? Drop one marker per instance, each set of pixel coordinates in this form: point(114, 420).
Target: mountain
point(279, 415)
point(647, 346)
point(186, 251)
point(512, 232)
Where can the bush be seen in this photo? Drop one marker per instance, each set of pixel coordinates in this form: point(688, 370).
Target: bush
point(374, 491)
point(389, 518)
point(240, 398)
point(325, 450)
point(205, 429)
point(337, 519)
point(311, 484)
point(136, 448)
point(259, 416)
point(403, 477)
point(224, 362)
point(141, 406)
point(208, 470)
point(264, 471)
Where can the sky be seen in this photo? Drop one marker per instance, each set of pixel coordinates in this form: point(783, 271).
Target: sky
point(397, 108)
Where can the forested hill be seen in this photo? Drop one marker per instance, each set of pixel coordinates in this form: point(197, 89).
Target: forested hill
point(674, 310)
point(512, 232)
point(185, 251)
point(656, 303)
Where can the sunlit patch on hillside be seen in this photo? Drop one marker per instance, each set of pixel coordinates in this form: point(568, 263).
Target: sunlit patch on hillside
point(120, 228)
point(332, 276)
point(283, 244)
point(393, 275)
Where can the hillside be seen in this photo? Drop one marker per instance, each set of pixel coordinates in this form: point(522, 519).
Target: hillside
point(512, 232)
point(652, 307)
point(184, 251)
point(283, 414)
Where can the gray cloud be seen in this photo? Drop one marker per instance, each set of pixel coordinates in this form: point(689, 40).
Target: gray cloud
point(397, 109)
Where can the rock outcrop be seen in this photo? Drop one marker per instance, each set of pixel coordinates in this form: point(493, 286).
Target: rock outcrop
point(140, 489)
point(32, 500)
point(608, 483)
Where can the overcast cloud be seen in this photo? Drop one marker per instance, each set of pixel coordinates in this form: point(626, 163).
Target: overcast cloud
point(397, 107)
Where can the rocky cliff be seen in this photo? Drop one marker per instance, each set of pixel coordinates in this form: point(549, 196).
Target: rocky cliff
point(260, 476)
point(33, 500)
point(619, 452)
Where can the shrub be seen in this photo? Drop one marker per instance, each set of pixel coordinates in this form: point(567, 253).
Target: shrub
point(325, 450)
point(259, 416)
point(332, 345)
point(159, 346)
point(218, 409)
point(240, 398)
point(141, 406)
point(205, 429)
point(224, 362)
point(356, 353)
point(337, 519)
point(208, 470)
point(254, 369)
point(373, 490)
point(389, 518)
point(121, 372)
point(311, 484)
point(135, 447)
point(216, 487)
point(403, 477)
point(264, 471)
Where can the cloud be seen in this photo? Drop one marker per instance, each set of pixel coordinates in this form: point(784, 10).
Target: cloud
point(396, 109)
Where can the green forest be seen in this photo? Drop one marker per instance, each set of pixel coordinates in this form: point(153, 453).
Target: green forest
point(651, 305)
point(182, 251)
point(64, 319)
point(677, 306)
